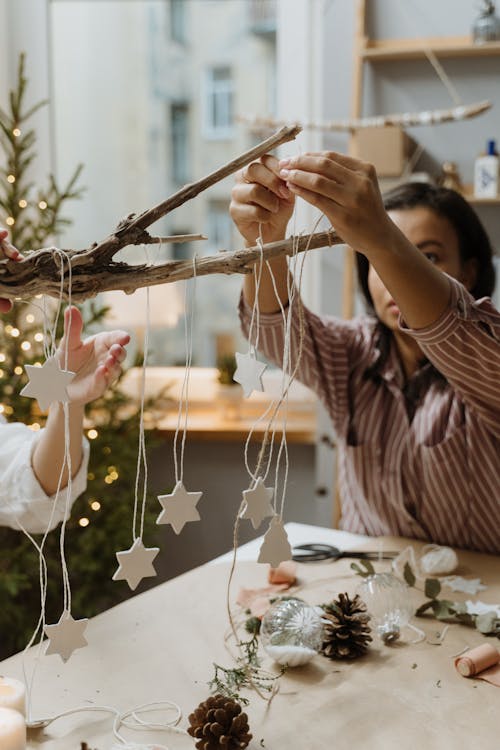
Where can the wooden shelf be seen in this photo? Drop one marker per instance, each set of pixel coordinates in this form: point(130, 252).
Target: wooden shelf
point(471, 198)
point(376, 50)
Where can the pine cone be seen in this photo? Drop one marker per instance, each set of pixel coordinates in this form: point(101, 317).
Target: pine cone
point(346, 632)
point(219, 724)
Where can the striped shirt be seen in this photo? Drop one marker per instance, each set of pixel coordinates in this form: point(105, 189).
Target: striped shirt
point(436, 475)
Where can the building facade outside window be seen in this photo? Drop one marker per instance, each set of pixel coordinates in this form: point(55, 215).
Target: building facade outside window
point(218, 102)
point(178, 21)
point(179, 128)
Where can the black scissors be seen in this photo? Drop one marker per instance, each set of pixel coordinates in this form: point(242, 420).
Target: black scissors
point(314, 552)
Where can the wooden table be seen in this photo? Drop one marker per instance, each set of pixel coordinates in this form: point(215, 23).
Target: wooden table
point(161, 645)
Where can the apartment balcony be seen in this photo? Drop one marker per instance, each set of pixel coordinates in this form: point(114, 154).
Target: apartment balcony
point(262, 17)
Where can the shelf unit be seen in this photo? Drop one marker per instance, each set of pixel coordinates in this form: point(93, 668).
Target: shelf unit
point(382, 50)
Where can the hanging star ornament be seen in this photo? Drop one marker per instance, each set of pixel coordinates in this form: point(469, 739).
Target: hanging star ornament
point(179, 507)
point(249, 372)
point(66, 636)
point(258, 503)
point(275, 547)
point(47, 383)
point(135, 563)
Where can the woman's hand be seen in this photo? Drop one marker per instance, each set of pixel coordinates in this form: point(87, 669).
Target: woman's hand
point(96, 360)
point(7, 251)
point(261, 197)
point(346, 191)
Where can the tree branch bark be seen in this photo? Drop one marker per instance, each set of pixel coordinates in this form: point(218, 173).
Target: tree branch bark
point(93, 269)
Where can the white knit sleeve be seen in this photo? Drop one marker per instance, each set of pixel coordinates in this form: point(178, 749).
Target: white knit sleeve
point(23, 502)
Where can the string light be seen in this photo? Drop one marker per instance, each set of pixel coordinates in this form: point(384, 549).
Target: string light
point(26, 346)
point(95, 505)
point(106, 450)
point(8, 409)
point(2, 356)
point(38, 337)
point(37, 364)
point(15, 333)
point(84, 521)
point(35, 426)
point(18, 370)
point(11, 178)
point(10, 221)
point(30, 318)
point(90, 476)
point(2, 408)
point(23, 203)
point(92, 434)
point(42, 205)
point(16, 132)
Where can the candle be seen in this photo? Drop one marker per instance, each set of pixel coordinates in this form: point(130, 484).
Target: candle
point(12, 730)
point(12, 694)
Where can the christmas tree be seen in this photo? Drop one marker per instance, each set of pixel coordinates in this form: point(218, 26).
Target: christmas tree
point(101, 521)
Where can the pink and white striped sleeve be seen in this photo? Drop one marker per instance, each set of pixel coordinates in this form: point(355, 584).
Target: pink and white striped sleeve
point(464, 345)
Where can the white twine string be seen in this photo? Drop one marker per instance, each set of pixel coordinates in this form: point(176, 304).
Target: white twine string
point(184, 396)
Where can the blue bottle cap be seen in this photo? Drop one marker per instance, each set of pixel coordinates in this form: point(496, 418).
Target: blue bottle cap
point(491, 149)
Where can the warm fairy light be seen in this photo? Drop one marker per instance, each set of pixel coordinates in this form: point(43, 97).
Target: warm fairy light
point(42, 205)
point(2, 408)
point(106, 450)
point(16, 132)
point(90, 476)
point(38, 296)
point(2, 373)
point(10, 221)
point(92, 434)
point(111, 469)
point(26, 346)
point(30, 318)
point(35, 426)
point(2, 356)
point(114, 475)
point(108, 480)
point(95, 505)
point(23, 203)
point(11, 178)
point(38, 336)
point(8, 329)
point(18, 370)
point(9, 410)
point(37, 364)
point(84, 521)
point(15, 333)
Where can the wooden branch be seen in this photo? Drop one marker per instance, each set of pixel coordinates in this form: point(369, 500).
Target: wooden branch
point(93, 270)
point(403, 120)
point(87, 282)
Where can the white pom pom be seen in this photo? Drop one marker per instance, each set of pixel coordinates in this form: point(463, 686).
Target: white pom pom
point(438, 561)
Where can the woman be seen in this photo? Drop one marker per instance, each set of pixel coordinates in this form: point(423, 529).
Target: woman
point(412, 390)
point(31, 462)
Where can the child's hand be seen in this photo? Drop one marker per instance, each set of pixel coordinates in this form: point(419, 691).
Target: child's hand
point(96, 360)
point(261, 197)
point(346, 191)
point(7, 251)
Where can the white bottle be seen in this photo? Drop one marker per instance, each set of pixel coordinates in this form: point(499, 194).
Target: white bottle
point(486, 173)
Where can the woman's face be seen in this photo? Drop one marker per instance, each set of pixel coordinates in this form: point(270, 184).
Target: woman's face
point(436, 238)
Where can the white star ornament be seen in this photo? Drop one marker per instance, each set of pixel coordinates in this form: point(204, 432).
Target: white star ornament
point(275, 547)
point(66, 636)
point(258, 503)
point(249, 372)
point(179, 507)
point(47, 383)
point(135, 563)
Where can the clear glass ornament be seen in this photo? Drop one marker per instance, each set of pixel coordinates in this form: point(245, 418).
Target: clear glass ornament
point(389, 603)
point(291, 632)
point(486, 27)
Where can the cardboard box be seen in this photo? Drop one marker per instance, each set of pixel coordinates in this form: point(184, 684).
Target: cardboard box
point(387, 148)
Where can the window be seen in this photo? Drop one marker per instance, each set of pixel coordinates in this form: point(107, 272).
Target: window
point(181, 250)
point(179, 124)
point(220, 226)
point(218, 102)
point(178, 20)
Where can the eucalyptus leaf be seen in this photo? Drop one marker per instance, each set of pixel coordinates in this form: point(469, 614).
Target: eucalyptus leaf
point(409, 575)
point(423, 608)
point(359, 571)
point(432, 587)
point(442, 608)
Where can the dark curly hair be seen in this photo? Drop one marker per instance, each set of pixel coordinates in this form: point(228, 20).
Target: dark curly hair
point(473, 241)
